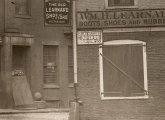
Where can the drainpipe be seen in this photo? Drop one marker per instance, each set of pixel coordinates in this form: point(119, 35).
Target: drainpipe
point(74, 47)
point(74, 106)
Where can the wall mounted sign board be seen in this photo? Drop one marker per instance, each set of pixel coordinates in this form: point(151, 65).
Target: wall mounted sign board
point(89, 37)
point(57, 12)
point(121, 18)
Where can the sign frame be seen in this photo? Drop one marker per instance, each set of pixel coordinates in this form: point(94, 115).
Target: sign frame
point(68, 14)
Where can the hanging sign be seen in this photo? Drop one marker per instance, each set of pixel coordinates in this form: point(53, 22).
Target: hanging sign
point(89, 37)
point(57, 12)
point(121, 18)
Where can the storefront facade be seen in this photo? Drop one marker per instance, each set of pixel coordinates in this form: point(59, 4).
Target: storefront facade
point(120, 77)
point(34, 50)
point(123, 77)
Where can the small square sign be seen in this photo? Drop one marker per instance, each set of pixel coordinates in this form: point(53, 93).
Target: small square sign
point(89, 37)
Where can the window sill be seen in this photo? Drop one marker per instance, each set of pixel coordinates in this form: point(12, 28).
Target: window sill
point(124, 98)
point(50, 86)
point(23, 16)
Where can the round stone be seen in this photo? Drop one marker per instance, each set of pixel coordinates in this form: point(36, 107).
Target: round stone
point(37, 96)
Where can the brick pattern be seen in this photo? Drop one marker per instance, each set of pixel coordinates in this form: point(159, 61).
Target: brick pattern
point(34, 25)
point(151, 3)
point(94, 108)
point(100, 4)
point(90, 5)
point(1, 16)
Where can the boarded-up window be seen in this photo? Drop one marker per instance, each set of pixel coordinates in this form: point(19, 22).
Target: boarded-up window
point(124, 71)
point(70, 65)
point(120, 3)
point(50, 64)
point(22, 7)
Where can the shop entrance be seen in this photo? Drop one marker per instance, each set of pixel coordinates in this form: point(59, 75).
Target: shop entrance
point(21, 77)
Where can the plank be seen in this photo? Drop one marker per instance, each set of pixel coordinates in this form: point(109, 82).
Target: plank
point(21, 91)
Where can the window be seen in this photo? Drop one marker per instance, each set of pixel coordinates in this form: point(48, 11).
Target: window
point(120, 3)
point(70, 65)
point(50, 64)
point(123, 71)
point(22, 7)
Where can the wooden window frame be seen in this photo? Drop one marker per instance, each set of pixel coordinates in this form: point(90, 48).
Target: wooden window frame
point(53, 84)
point(123, 42)
point(136, 2)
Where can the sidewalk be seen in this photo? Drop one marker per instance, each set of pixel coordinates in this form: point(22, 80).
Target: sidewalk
point(47, 110)
point(39, 114)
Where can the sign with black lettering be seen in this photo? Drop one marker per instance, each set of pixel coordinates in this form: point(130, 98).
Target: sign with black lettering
point(57, 12)
point(121, 18)
point(89, 37)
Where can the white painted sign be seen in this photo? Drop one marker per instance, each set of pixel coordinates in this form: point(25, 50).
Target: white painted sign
point(89, 37)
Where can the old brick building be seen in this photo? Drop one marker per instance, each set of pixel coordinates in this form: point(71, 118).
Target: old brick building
point(123, 78)
point(42, 52)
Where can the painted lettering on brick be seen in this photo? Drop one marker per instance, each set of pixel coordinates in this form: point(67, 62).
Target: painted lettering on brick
point(127, 18)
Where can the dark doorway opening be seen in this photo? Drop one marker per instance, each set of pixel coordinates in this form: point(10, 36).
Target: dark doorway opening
point(21, 60)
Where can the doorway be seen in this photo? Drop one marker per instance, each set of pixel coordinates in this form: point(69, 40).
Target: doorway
point(21, 60)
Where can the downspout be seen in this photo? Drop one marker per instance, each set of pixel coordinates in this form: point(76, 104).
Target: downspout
point(74, 106)
point(74, 48)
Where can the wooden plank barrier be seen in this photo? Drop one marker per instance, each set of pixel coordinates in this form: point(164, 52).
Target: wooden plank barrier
point(21, 92)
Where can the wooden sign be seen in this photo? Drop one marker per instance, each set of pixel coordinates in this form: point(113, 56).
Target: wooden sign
point(89, 37)
point(121, 18)
point(58, 12)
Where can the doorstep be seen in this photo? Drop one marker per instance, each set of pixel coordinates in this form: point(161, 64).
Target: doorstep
point(46, 110)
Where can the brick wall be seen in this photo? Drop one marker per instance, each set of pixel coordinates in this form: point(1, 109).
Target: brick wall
point(1, 16)
point(99, 4)
point(94, 108)
point(34, 25)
